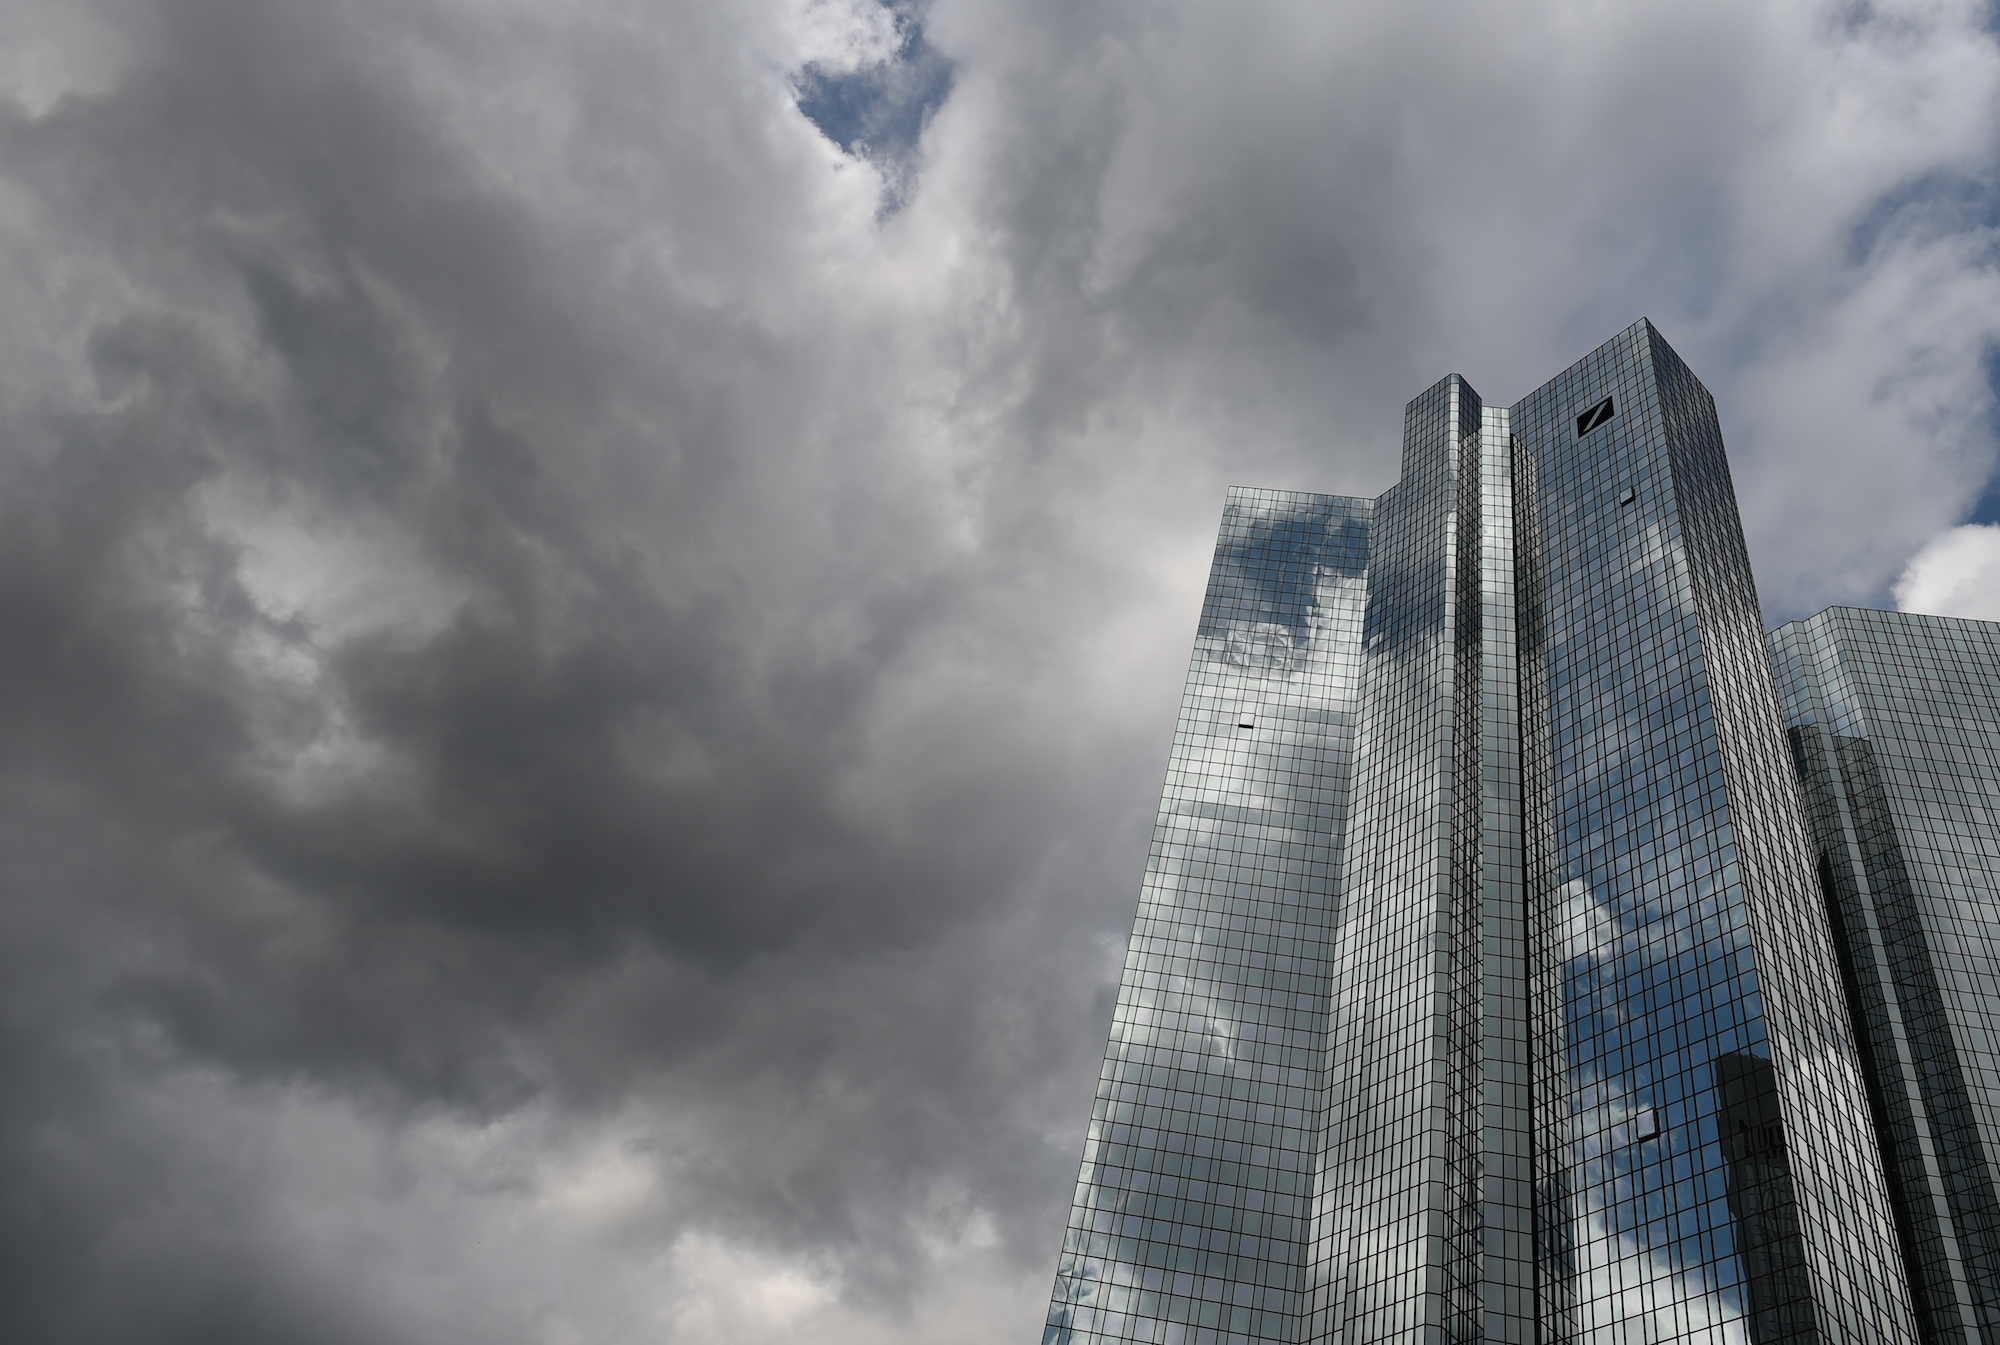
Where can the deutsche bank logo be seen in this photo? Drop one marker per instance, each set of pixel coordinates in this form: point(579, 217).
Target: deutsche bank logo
point(1594, 417)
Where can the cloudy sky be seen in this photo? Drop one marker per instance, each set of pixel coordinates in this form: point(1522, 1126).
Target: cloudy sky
point(594, 591)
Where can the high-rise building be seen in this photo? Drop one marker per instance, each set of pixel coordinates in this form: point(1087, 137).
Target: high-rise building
point(1895, 725)
point(1481, 987)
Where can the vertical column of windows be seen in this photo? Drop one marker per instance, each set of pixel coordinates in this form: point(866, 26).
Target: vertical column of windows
point(1536, 541)
point(1508, 1272)
point(1397, 1230)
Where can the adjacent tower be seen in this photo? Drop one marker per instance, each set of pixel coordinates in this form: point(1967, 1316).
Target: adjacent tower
point(1894, 722)
point(1480, 988)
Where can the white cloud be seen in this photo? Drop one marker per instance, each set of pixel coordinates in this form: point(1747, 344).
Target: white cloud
point(1956, 574)
point(840, 36)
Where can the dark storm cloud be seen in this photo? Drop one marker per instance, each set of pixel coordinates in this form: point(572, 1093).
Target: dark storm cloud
point(567, 769)
point(582, 706)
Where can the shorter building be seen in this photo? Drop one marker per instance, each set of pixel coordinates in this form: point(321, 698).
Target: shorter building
point(1894, 722)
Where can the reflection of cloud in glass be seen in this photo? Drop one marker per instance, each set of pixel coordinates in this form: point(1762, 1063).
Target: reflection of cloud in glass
point(1283, 648)
point(1636, 1294)
point(1632, 1260)
point(1632, 1288)
point(1278, 556)
point(1586, 927)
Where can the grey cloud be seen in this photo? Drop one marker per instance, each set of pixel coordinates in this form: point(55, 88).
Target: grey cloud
point(583, 708)
point(417, 938)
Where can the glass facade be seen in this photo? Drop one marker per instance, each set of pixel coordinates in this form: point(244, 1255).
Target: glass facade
point(1395, 1228)
point(1894, 722)
point(1193, 1207)
point(1480, 988)
point(1710, 1171)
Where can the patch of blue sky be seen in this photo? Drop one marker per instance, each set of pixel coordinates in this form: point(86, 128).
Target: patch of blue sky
point(1987, 508)
point(1934, 204)
point(878, 112)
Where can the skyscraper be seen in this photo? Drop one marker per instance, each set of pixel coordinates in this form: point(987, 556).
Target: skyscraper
point(1480, 986)
point(1894, 721)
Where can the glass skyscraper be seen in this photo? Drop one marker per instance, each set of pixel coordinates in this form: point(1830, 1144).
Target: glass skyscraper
point(1481, 986)
point(1894, 721)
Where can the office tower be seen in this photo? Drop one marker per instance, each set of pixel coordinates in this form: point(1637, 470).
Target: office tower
point(1894, 722)
point(1480, 988)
